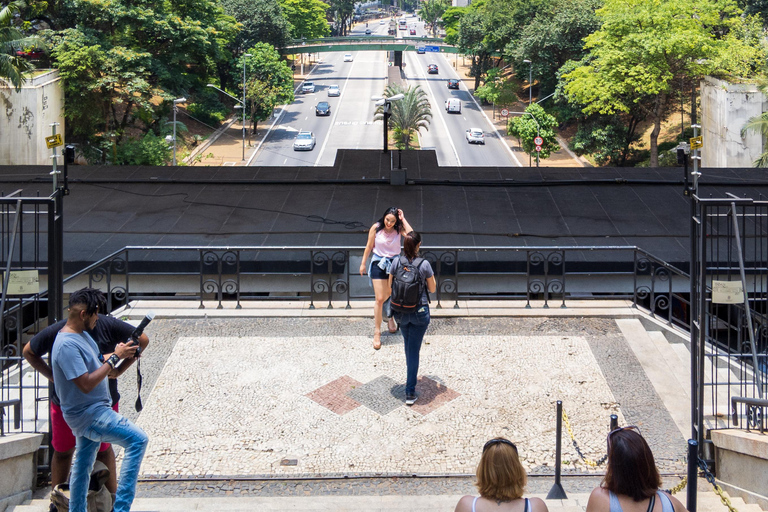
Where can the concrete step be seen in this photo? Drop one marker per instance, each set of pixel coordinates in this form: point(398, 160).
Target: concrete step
point(660, 365)
point(707, 502)
point(423, 503)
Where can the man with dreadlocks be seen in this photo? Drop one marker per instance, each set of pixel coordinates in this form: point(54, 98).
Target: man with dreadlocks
point(80, 374)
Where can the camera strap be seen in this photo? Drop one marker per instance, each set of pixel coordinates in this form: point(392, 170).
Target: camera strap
point(138, 404)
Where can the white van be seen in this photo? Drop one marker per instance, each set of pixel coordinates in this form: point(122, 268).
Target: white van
point(453, 105)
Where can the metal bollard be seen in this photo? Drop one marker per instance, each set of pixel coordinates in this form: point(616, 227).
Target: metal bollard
point(614, 423)
point(693, 470)
point(557, 492)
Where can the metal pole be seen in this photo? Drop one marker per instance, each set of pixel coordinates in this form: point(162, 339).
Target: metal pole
point(386, 126)
point(530, 88)
point(614, 423)
point(557, 492)
point(693, 462)
point(175, 108)
point(55, 158)
point(243, 107)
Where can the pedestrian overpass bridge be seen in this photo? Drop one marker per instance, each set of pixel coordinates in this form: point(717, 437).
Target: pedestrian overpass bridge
point(365, 43)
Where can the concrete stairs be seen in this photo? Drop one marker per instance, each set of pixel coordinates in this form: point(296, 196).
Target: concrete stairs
point(707, 502)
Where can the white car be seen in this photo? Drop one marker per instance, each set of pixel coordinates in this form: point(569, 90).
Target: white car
point(381, 22)
point(308, 87)
point(475, 136)
point(347, 57)
point(305, 141)
point(333, 90)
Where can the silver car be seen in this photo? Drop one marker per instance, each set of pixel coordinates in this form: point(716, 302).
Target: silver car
point(475, 136)
point(305, 141)
point(308, 87)
point(333, 90)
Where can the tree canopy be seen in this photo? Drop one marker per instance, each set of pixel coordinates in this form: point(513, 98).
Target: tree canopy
point(307, 18)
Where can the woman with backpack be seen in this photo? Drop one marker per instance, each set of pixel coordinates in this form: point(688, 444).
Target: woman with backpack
point(384, 243)
point(411, 277)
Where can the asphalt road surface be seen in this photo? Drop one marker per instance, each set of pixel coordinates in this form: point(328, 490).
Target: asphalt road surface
point(351, 124)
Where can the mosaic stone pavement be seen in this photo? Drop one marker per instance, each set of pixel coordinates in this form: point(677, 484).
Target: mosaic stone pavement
point(241, 405)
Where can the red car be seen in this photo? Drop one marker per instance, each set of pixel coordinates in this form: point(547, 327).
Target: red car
point(413, 31)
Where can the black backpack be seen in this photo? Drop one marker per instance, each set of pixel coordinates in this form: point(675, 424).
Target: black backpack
point(407, 285)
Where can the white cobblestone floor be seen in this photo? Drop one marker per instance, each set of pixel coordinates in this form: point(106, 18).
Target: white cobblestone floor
point(228, 406)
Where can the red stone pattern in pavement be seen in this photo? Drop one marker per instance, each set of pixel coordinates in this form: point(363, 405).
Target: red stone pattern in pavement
point(432, 395)
point(334, 395)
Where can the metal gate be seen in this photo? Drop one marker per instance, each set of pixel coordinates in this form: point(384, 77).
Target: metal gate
point(729, 329)
point(31, 234)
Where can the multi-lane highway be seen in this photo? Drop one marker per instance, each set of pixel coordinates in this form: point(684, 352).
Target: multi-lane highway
point(351, 124)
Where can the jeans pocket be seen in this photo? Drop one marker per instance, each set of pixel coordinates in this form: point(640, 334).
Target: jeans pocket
point(421, 317)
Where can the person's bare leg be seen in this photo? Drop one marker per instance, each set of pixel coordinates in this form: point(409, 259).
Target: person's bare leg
point(107, 457)
point(381, 290)
point(60, 464)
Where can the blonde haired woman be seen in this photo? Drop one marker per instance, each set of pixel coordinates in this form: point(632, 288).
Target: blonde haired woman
point(501, 481)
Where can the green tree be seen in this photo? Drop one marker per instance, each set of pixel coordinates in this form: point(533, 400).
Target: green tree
point(270, 82)
point(343, 11)
point(262, 22)
point(554, 36)
point(104, 87)
point(644, 48)
point(306, 17)
point(527, 127)
point(13, 67)
point(408, 115)
point(471, 41)
point(451, 18)
point(496, 89)
point(431, 11)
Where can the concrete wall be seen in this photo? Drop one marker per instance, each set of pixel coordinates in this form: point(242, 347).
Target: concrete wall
point(725, 109)
point(741, 459)
point(26, 117)
point(18, 465)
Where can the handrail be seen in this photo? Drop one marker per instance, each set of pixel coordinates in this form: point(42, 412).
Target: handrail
point(751, 403)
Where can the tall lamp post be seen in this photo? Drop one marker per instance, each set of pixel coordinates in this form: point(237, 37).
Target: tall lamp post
point(387, 103)
point(244, 55)
point(175, 109)
point(538, 129)
point(530, 81)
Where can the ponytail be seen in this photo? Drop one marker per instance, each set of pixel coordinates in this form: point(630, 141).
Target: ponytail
point(411, 245)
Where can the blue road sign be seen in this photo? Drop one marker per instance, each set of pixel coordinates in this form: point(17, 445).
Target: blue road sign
point(435, 49)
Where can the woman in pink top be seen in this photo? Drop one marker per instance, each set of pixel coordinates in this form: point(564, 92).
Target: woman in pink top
point(384, 242)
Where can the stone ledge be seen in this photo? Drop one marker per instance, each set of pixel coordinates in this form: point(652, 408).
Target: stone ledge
point(16, 445)
point(740, 441)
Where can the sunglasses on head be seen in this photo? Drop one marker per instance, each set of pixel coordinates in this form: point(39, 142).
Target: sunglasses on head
point(629, 427)
point(499, 440)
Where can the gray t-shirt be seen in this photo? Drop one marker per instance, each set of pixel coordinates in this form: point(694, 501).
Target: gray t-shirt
point(425, 270)
point(75, 355)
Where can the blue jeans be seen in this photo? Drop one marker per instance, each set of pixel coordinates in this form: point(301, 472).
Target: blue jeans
point(109, 427)
point(413, 326)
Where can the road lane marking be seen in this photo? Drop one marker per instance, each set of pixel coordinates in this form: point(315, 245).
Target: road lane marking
point(440, 115)
point(278, 116)
point(335, 113)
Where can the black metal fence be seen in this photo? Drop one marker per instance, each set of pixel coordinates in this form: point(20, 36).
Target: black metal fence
point(730, 356)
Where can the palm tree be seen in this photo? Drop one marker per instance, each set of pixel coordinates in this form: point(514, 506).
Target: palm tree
point(759, 124)
point(12, 67)
point(412, 113)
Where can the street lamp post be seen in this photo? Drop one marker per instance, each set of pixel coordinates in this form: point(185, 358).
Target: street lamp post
point(175, 109)
point(387, 103)
point(538, 129)
point(530, 79)
point(245, 55)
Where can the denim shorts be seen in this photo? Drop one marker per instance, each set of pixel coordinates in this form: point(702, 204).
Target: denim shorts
point(378, 273)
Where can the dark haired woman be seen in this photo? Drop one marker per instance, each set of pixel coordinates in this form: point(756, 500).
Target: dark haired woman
point(414, 325)
point(384, 244)
point(631, 482)
point(501, 481)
